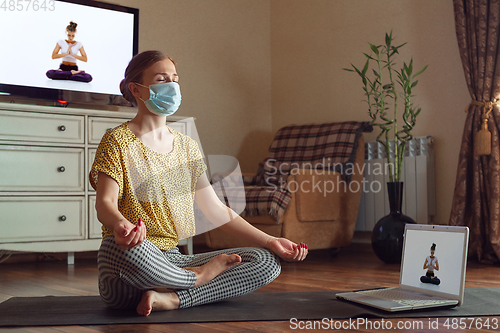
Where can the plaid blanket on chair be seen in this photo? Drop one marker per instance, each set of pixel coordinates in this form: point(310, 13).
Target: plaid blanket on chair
point(329, 146)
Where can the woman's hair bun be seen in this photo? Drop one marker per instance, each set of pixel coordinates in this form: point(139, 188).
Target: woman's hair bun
point(72, 26)
point(126, 93)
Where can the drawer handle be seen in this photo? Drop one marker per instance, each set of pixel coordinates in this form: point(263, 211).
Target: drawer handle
point(62, 218)
point(61, 169)
point(62, 128)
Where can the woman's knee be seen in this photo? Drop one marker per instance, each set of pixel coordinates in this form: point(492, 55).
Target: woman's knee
point(117, 294)
point(268, 264)
point(57, 74)
point(110, 250)
point(111, 256)
point(81, 77)
point(274, 269)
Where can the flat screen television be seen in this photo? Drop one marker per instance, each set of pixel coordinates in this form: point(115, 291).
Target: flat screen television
point(30, 31)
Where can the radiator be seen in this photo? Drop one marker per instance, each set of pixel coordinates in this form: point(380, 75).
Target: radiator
point(418, 177)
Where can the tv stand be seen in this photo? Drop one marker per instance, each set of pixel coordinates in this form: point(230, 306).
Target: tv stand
point(46, 201)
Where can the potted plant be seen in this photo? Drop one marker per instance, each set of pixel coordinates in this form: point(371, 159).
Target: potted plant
point(388, 88)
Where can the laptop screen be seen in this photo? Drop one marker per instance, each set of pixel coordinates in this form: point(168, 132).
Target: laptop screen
point(434, 259)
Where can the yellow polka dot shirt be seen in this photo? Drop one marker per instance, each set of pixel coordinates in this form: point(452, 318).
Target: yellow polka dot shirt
point(158, 188)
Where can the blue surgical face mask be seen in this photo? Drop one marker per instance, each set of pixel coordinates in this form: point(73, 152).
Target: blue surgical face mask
point(164, 98)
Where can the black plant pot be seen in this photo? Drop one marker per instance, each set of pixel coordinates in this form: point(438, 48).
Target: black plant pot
point(387, 235)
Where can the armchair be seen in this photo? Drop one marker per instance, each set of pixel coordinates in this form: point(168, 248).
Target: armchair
point(308, 188)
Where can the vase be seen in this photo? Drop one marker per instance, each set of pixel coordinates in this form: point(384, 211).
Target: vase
point(387, 235)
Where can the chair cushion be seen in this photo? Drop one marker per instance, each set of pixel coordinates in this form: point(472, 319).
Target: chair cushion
point(319, 196)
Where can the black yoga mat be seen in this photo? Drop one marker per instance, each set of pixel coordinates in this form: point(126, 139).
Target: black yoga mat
point(90, 310)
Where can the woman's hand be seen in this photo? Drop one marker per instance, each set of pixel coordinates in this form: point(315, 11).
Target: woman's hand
point(128, 235)
point(287, 250)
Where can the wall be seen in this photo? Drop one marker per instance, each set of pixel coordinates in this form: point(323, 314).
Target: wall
point(313, 40)
point(249, 67)
point(223, 52)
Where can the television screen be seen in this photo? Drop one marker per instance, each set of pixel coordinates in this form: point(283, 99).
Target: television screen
point(34, 36)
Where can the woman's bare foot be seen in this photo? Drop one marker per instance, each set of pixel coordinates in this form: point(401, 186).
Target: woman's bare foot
point(157, 301)
point(164, 299)
point(214, 267)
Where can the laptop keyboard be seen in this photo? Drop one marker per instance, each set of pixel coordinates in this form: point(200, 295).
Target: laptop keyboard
point(402, 296)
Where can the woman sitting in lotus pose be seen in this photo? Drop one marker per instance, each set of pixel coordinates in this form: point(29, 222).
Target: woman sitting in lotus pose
point(431, 264)
point(69, 48)
point(147, 177)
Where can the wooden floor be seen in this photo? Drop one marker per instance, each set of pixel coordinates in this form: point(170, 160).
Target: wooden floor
point(355, 267)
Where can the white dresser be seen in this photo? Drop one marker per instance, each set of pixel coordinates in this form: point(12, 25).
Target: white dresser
point(46, 201)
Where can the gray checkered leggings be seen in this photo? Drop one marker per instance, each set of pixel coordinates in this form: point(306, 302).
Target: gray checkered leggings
point(124, 275)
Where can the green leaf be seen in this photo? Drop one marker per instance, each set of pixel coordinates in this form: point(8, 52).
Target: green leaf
point(357, 70)
point(403, 76)
point(374, 49)
point(365, 69)
point(369, 56)
point(348, 69)
point(397, 47)
point(421, 71)
point(414, 84)
point(375, 72)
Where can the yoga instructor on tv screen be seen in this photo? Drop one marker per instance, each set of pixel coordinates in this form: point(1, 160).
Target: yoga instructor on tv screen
point(69, 48)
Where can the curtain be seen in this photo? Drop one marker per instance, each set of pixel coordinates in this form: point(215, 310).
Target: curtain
point(476, 197)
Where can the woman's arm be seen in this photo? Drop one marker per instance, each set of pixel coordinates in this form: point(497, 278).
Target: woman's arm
point(426, 264)
point(55, 53)
point(127, 235)
point(83, 57)
point(230, 222)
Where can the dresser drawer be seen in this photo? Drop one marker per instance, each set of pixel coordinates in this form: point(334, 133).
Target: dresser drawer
point(41, 127)
point(99, 126)
point(26, 219)
point(95, 230)
point(41, 169)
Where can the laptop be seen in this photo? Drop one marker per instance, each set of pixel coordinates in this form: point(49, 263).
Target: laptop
point(432, 272)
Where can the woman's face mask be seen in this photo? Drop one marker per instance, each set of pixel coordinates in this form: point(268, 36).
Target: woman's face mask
point(164, 98)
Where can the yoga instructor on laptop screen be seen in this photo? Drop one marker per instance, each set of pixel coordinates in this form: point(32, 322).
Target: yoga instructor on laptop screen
point(148, 177)
point(417, 291)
